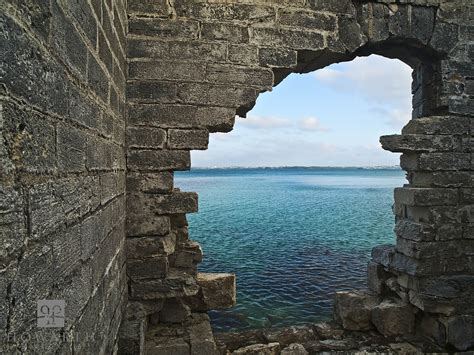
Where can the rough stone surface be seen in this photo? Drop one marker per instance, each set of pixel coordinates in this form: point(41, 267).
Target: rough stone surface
point(353, 309)
point(294, 349)
point(62, 174)
point(289, 335)
point(259, 349)
point(101, 101)
point(392, 317)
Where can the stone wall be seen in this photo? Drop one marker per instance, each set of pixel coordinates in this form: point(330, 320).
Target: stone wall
point(62, 204)
point(191, 67)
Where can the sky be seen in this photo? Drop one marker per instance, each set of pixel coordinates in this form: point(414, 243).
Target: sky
point(331, 117)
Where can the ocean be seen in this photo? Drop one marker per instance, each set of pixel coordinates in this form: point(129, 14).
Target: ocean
point(293, 236)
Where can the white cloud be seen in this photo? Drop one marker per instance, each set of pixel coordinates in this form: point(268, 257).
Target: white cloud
point(379, 80)
point(264, 122)
point(311, 124)
point(395, 118)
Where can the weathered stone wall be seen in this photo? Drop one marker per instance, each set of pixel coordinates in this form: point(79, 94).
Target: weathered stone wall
point(68, 158)
point(193, 65)
point(62, 195)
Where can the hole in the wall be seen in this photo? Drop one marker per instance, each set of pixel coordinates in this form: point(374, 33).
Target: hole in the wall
point(296, 235)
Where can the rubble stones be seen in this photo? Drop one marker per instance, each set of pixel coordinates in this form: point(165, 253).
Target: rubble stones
point(259, 349)
point(294, 349)
point(287, 336)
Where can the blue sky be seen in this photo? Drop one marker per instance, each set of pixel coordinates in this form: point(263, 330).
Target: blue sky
point(330, 117)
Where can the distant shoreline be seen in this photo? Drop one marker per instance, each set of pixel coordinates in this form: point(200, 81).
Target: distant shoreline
point(393, 167)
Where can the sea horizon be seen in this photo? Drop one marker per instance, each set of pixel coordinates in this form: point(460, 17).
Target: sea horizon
point(368, 167)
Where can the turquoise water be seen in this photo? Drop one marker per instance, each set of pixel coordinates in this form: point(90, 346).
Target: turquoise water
point(293, 236)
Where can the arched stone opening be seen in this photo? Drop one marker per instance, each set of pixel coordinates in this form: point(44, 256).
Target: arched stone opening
point(232, 51)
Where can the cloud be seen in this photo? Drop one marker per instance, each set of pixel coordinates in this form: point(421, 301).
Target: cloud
point(395, 118)
point(264, 122)
point(311, 124)
point(377, 79)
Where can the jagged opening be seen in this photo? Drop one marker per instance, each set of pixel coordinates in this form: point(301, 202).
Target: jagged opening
point(295, 236)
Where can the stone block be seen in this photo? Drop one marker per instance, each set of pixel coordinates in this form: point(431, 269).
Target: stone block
point(84, 18)
point(445, 36)
point(215, 119)
point(447, 161)
point(146, 247)
point(426, 196)
point(67, 42)
point(188, 255)
point(152, 91)
point(216, 95)
point(277, 57)
point(353, 309)
point(383, 254)
point(215, 31)
point(150, 268)
point(157, 7)
point(62, 201)
point(437, 125)
point(82, 109)
point(437, 249)
point(422, 22)
point(97, 78)
point(307, 19)
point(158, 160)
point(105, 54)
point(146, 137)
point(177, 50)
point(376, 276)
point(217, 291)
point(177, 284)
point(109, 186)
point(441, 179)
point(163, 28)
point(421, 143)
point(228, 12)
point(393, 318)
point(188, 138)
point(150, 182)
point(259, 77)
point(146, 223)
point(71, 148)
point(166, 70)
point(243, 54)
point(337, 6)
point(29, 72)
point(176, 202)
point(295, 39)
point(174, 311)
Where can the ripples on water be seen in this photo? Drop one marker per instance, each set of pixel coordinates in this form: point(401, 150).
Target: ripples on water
point(292, 236)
